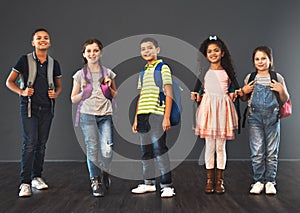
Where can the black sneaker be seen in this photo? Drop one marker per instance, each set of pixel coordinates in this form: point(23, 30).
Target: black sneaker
point(97, 187)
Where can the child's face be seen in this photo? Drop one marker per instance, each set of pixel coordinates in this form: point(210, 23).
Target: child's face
point(149, 52)
point(214, 53)
point(92, 53)
point(41, 40)
point(261, 61)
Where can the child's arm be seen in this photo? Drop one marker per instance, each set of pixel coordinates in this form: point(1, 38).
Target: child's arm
point(135, 122)
point(112, 86)
point(246, 89)
point(281, 89)
point(54, 93)
point(166, 125)
point(10, 83)
point(76, 95)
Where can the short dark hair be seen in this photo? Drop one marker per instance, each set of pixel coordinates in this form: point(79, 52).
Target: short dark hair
point(149, 39)
point(39, 30)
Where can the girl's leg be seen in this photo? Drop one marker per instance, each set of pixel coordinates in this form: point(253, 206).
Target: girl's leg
point(221, 153)
point(272, 149)
point(221, 162)
point(210, 149)
point(90, 131)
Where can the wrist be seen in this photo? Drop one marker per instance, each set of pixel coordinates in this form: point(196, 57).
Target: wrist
point(243, 91)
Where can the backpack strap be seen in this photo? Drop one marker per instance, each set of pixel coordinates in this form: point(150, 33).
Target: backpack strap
point(32, 70)
point(273, 76)
point(157, 79)
point(234, 85)
point(158, 82)
point(50, 72)
point(251, 78)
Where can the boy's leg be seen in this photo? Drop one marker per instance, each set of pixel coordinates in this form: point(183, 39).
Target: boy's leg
point(148, 166)
point(147, 158)
point(45, 117)
point(30, 137)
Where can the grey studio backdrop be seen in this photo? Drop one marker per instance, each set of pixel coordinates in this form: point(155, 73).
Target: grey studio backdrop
point(243, 25)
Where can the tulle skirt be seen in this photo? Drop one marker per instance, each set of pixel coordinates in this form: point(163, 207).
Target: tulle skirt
point(216, 117)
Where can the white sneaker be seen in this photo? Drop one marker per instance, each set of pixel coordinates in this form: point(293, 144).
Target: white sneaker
point(25, 190)
point(39, 183)
point(143, 188)
point(270, 189)
point(167, 192)
point(257, 188)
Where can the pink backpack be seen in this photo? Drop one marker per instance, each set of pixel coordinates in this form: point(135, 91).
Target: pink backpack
point(87, 90)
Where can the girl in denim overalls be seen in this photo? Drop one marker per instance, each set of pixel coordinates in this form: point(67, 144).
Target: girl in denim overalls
point(264, 125)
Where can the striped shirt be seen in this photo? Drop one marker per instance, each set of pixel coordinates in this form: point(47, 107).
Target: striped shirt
point(265, 80)
point(149, 94)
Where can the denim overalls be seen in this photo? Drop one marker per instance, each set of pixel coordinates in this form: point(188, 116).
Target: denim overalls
point(264, 133)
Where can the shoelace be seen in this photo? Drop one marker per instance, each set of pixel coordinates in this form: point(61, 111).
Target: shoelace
point(25, 187)
point(168, 190)
point(40, 181)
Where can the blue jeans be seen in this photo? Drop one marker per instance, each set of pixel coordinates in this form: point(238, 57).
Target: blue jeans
point(264, 134)
point(153, 147)
point(35, 133)
point(98, 137)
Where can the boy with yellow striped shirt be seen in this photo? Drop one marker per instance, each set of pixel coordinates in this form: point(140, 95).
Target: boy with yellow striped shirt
point(152, 120)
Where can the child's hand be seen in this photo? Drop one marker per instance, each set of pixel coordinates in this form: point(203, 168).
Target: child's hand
point(51, 94)
point(276, 86)
point(166, 125)
point(83, 85)
point(27, 92)
point(239, 92)
point(107, 80)
point(134, 126)
point(195, 96)
point(248, 88)
point(233, 96)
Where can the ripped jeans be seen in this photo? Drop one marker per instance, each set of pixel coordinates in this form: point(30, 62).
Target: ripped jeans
point(98, 137)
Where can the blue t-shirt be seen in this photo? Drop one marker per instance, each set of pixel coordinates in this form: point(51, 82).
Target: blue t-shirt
point(40, 85)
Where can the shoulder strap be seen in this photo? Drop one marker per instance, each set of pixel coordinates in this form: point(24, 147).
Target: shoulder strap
point(157, 75)
point(273, 76)
point(252, 77)
point(50, 72)
point(142, 72)
point(32, 70)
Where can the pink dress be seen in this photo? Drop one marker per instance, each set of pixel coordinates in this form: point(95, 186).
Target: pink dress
point(216, 116)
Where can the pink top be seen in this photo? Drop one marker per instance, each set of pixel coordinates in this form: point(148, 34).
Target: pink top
point(216, 82)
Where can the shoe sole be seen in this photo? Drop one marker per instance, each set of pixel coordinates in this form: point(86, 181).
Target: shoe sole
point(39, 188)
point(143, 192)
point(25, 195)
point(167, 196)
point(98, 195)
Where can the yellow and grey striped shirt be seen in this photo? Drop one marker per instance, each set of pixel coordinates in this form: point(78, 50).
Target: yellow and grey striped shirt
point(149, 94)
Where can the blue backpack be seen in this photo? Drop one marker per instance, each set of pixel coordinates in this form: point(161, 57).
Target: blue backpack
point(175, 115)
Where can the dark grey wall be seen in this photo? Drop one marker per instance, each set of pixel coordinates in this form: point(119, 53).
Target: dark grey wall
point(243, 25)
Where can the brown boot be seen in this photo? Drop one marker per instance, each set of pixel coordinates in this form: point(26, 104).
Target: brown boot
point(209, 188)
point(220, 181)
